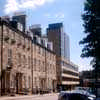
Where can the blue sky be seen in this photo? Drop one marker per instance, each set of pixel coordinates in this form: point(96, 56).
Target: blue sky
point(45, 12)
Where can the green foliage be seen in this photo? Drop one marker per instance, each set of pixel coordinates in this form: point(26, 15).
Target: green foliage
point(91, 42)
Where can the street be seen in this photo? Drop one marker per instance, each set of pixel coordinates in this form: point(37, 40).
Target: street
point(33, 97)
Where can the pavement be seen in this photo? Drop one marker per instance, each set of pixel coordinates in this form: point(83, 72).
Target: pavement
point(51, 96)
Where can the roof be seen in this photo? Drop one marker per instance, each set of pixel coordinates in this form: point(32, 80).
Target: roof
point(23, 34)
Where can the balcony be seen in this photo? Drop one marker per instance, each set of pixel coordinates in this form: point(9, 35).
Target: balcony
point(69, 76)
point(69, 83)
point(69, 69)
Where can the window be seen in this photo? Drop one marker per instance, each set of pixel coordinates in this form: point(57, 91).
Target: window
point(43, 66)
point(39, 50)
point(35, 81)
point(43, 52)
point(24, 60)
point(9, 57)
point(19, 39)
point(7, 29)
point(24, 82)
point(34, 64)
point(29, 63)
point(39, 65)
point(20, 26)
point(19, 59)
point(29, 44)
point(29, 82)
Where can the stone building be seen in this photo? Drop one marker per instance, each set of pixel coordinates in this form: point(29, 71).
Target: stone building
point(25, 66)
point(44, 76)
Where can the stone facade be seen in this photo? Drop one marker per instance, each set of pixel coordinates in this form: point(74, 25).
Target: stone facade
point(26, 66)
point(44, 70)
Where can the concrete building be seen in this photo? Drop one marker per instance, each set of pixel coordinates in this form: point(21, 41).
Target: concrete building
point(67, 72)
point(60, 39)
point(25, 66)
point(36, 29)
point(20, 18)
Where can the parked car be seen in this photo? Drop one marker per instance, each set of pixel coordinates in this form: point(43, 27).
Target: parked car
point(90, 90)
point(73, 96)
point(85, 92)
point(97, 99)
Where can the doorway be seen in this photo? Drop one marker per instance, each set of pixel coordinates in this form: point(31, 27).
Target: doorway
point(18, 83)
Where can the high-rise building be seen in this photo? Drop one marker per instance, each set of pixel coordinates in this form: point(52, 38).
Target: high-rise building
point(67, 72)
point(66, 46)
point(55, 33)
point(20, 18)
point(36, 29)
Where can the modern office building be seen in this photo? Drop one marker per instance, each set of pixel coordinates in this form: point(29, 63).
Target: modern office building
point(36, 29)
point(60, 40)
point(17, 21)
point(67, 72)
point(20, 18)
point(40, 38)
point(66, 47)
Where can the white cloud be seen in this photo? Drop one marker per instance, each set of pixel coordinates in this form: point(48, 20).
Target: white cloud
point(55, 16)
point(15, 5)
point(11, 6)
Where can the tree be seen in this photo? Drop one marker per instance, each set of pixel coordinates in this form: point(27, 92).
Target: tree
point(91, 41)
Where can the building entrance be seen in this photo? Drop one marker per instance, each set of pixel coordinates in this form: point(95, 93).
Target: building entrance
point(18, 83)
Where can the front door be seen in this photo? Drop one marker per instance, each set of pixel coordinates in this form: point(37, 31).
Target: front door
point(7, 80)
point(18, 83)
